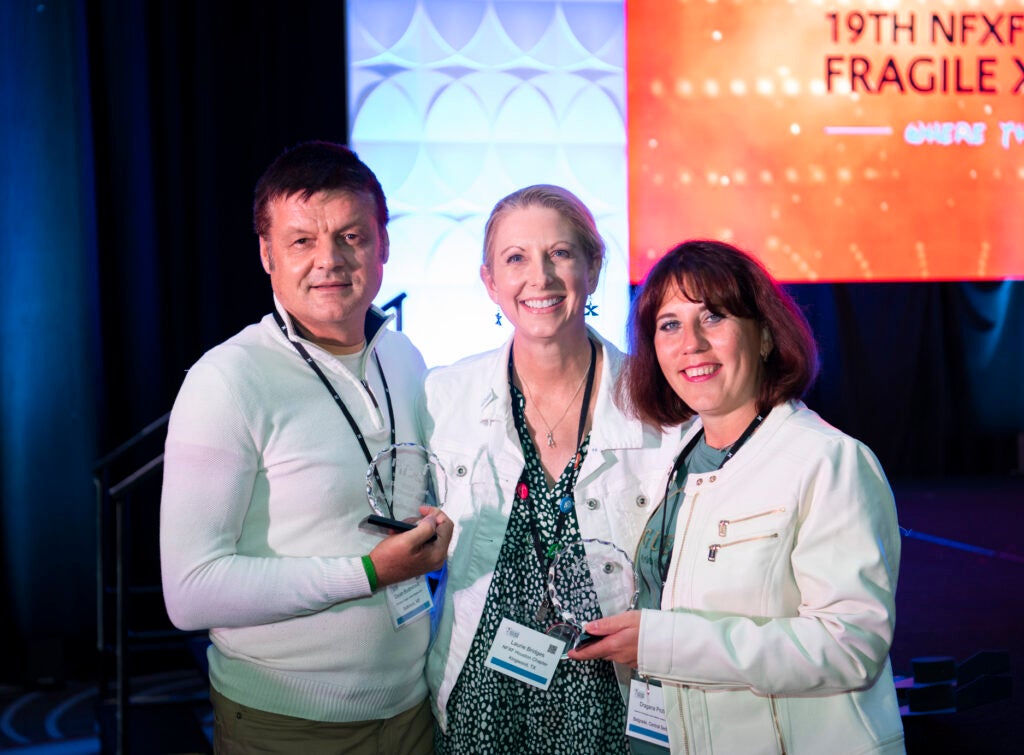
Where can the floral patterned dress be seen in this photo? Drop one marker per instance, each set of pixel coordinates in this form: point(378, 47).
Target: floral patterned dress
point(582, 712)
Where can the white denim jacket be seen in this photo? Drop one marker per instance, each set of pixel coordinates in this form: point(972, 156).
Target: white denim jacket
point(778, 611)
point(469, 425)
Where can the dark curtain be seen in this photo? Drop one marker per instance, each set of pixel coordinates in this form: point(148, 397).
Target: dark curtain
point(133, 134)
point(191, 101)
point(48, 335)
point(898, 373)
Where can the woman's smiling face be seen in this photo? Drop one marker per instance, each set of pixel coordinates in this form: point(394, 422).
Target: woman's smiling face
point(538, 273)
point(712, 360)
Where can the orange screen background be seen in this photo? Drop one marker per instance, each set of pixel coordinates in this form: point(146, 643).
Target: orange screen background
point(737, 132)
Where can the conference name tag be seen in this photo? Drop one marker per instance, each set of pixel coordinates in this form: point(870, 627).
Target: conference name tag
point(408, 601)
point(645, 719)
point(524, 654)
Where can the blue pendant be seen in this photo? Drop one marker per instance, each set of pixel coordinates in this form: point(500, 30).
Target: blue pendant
point(566, 504)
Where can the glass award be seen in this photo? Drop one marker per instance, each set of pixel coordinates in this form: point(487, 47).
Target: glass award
point(589, 579)
point(400, 479)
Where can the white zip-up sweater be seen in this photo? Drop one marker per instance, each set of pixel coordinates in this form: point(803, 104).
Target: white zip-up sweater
point(778, 611)
point(263, 493)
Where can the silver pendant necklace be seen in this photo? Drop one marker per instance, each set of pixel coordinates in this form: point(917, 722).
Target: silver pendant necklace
point(551, 428)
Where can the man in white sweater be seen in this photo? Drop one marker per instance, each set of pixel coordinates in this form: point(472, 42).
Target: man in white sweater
point(264, 488)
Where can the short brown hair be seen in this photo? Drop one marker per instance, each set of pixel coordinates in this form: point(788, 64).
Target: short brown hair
point(312, 167)
point(729, 281)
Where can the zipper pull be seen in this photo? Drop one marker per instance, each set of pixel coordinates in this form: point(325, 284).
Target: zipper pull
point(723, 524)
point(366, 387)
point(713, 551)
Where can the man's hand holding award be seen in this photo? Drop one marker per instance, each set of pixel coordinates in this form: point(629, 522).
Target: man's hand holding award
point(405, 488)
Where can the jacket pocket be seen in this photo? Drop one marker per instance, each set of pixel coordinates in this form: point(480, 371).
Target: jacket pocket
point(746, 529)
point(723, 524)
point(714, 548)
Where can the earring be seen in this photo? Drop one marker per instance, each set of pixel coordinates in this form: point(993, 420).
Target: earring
point(591, 308)
point(497, 317)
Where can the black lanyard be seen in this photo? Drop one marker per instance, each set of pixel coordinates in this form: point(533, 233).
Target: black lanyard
point(334, 394)
point(663, 562)
point(543, 557)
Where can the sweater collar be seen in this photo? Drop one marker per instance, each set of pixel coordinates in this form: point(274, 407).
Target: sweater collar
point(373, 328)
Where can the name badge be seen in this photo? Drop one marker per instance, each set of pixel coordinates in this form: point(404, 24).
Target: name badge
point(524, 654)
point(645, 718)
point(408, 601)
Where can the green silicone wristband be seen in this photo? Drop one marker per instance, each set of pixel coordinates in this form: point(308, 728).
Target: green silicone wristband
point(371, 573)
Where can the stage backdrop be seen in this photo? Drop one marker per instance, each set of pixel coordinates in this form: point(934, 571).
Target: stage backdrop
point(456, 103)
point(840, 141)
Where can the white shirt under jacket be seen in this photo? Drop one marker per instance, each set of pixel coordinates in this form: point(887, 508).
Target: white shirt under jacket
point(469, 425)
point(779, 605)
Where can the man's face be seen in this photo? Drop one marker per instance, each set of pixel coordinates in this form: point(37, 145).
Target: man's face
point(325, 257)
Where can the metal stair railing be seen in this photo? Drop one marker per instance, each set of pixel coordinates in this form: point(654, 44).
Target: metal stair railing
point(118, 638)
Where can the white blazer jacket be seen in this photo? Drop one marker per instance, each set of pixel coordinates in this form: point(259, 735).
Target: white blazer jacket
point(469, 425)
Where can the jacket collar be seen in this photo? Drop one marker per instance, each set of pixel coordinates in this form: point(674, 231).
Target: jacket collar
point(775, 419)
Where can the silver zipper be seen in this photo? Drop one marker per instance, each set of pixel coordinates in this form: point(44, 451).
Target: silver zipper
point(680, 693)
point(715, 547)
point(723, 524)
point(778, 726)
